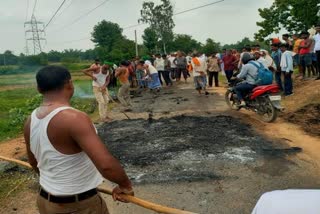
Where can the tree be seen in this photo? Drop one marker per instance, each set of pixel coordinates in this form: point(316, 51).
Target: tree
point(105, 34)
point(245, 42)
point(54, 56)
point(150, 40)
point(211, 46)
point(185, 43)
point(159, 17)
point(292, 15)
point(123, 49)
point(8, 58)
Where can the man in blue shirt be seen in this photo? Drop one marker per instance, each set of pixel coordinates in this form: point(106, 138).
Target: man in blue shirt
point(276, 56)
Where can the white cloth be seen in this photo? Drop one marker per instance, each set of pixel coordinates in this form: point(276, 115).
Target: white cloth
point(152, 70)
point(101, 78)
point(289, 202)
point(286, 62)
point(270, 61)
point(60, 174)
point(171, 59)
point(263, 61)
point(199, 68)
point(159, 64)
point(317, 42)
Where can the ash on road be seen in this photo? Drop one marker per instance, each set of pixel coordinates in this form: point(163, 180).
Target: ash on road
point(185, 148)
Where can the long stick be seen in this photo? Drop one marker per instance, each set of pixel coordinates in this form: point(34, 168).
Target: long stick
point(140, 202)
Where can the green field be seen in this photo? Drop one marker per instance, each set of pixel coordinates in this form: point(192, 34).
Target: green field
point(17, 89)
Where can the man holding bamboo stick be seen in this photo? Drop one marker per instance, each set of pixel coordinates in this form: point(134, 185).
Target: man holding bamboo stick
point(64, 148)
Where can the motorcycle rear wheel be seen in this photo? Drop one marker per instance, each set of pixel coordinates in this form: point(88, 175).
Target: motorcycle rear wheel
point(269, 113)
point(231, 102)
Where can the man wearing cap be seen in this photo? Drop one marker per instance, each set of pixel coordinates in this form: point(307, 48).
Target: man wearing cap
point(100, 80)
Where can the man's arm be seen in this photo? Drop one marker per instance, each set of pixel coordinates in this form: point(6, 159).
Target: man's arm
point(32, 160)
point(89, 72)
point(119, 71)
point(243, 72)
point(85, 136)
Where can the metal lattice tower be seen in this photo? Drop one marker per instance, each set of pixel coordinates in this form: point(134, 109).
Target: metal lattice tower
point(35, 34)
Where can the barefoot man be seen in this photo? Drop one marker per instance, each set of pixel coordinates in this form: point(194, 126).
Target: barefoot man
point(100, 80)
point(122, 74)
point(64, 148)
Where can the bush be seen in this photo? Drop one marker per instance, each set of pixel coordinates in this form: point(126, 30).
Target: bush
point(76, 66)
point(36, 60)
point(8, 69)
point(17, 69)
point(19, 115)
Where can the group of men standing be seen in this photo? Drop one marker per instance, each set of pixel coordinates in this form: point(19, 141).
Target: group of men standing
point(101, 75)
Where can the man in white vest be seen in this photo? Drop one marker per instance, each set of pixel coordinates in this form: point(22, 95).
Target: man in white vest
point(64, 148)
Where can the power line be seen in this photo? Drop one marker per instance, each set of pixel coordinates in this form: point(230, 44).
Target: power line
point(27, 10)
point(84, 15)
point(64, 1)
point(66, 8)
point(71, 41)
point(181, 12)
point(34, 6)
point(196, 8)
point(136, 25)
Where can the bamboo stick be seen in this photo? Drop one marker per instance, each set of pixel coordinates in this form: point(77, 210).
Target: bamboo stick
point(140, 202)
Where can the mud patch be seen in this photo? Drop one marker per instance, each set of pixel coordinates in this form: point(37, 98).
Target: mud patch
point(185, 148)
point(308, 118)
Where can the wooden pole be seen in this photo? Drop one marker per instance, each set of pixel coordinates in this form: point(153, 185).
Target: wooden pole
point(140, 202)
point(136, 41)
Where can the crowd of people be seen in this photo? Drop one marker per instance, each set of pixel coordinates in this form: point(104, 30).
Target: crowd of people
point(156, 71)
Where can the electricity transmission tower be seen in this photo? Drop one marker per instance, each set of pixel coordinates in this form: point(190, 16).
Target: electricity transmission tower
point(35, 34)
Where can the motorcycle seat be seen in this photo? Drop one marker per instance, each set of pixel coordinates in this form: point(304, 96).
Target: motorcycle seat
point(266, 87)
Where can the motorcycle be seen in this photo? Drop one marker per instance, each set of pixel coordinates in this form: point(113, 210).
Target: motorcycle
point(264, 100)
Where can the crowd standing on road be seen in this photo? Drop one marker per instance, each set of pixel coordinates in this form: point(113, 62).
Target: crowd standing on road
point(300, 52)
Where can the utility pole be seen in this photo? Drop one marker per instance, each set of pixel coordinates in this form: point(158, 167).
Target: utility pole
point(34, 34)
point(135, 36)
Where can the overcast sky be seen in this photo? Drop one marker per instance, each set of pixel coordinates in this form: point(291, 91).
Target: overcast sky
point(225, 22)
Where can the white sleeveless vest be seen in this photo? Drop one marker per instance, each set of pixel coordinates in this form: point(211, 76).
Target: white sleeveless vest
point(60, 174)
point(101, 78)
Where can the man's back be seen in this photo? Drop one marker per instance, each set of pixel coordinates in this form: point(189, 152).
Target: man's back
point(64, 148)
point(63, 167)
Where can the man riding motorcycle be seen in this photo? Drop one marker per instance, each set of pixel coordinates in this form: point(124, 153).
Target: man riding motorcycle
point(249, 74)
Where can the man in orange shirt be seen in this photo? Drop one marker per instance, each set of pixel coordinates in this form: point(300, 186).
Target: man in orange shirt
point(122, 74)
point(296, 44)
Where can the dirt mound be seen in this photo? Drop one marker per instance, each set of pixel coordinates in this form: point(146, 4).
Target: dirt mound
point(308, 118)
point(184, 148)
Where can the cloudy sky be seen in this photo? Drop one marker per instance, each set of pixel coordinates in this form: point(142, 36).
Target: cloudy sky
point(225, 22)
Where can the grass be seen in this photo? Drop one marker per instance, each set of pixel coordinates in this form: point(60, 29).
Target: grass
point(10, 99)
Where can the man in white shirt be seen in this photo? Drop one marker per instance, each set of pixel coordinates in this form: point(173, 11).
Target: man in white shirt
point(173, 65)
point(317, 49)
point(159, 65)
point(286, 65)
point(258, 57)
point(199, 73)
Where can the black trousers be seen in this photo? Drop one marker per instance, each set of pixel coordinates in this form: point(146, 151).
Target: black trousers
point(160, 73)
point(214, 75)
point(318, 62)
point(166, 77)
point(180, 71)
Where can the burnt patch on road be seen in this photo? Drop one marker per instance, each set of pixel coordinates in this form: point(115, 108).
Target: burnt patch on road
point(185, 148)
